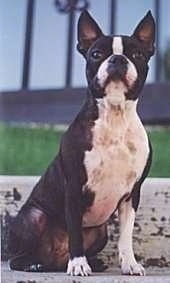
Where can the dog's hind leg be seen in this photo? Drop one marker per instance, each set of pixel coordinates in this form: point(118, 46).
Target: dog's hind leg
point(24, 237)
point(54, 249)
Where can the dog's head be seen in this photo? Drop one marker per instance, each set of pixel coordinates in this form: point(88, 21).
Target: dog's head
point(116, 62)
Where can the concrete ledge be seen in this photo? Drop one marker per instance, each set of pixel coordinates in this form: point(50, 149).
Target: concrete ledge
point(154, 275)
point(152, 226)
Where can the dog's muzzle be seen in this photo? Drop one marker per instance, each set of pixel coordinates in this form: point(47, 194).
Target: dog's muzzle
point(117, 67)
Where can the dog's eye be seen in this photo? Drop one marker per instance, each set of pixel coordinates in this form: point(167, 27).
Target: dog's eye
point(96, 54)
point(138, 55)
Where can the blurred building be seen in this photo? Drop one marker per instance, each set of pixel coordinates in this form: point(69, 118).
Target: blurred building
point(50, 33)
point(38, 43)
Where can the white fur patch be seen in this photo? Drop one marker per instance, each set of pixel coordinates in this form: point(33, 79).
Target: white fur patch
point(102, 73)
point(131, 74)
point(115, 92)
point(78, 266)
point(117, 49)
point(118, 156)
point(117, 45)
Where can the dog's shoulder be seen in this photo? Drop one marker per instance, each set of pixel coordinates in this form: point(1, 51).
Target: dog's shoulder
point(78, 136)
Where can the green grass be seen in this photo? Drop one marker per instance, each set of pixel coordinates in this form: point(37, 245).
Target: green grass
point(28, 151)
point(161, 153)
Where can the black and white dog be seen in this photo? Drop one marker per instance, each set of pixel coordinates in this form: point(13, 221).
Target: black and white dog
point(104, 157)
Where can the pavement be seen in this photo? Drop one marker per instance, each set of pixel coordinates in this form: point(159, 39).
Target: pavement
point(149, 242)
point(111, 275)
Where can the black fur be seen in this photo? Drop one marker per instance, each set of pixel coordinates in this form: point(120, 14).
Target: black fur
point(58, 194)
point(61, 196)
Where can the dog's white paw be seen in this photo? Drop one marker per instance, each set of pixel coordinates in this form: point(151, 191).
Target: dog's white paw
point(78, 266)
point(132, 268)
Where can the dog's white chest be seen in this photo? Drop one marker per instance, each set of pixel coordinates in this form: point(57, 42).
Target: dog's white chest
point(114, 164)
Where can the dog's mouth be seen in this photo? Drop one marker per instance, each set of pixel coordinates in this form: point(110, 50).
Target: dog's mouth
point(115, 77)
point(116, 71)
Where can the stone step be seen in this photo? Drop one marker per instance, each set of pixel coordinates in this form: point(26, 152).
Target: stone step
point(152, 226)
point(154, 275)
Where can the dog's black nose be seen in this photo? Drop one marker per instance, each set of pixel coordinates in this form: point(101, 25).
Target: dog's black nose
point(117, 60)
point(117, 67)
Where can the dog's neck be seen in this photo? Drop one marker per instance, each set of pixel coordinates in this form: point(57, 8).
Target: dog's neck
point(114, 107)
point(115, 114)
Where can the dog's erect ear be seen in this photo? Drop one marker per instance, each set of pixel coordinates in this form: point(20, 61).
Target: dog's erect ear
point(88, 32)
point(145, 32)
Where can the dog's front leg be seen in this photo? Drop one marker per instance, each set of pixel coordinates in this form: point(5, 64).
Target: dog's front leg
point(126, 255)
point(77, 264)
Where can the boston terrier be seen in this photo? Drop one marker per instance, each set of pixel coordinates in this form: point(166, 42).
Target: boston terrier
point(103, 159)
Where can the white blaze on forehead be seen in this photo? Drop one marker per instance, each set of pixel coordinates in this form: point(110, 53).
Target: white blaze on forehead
point(131, 73)
point(117, 45)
